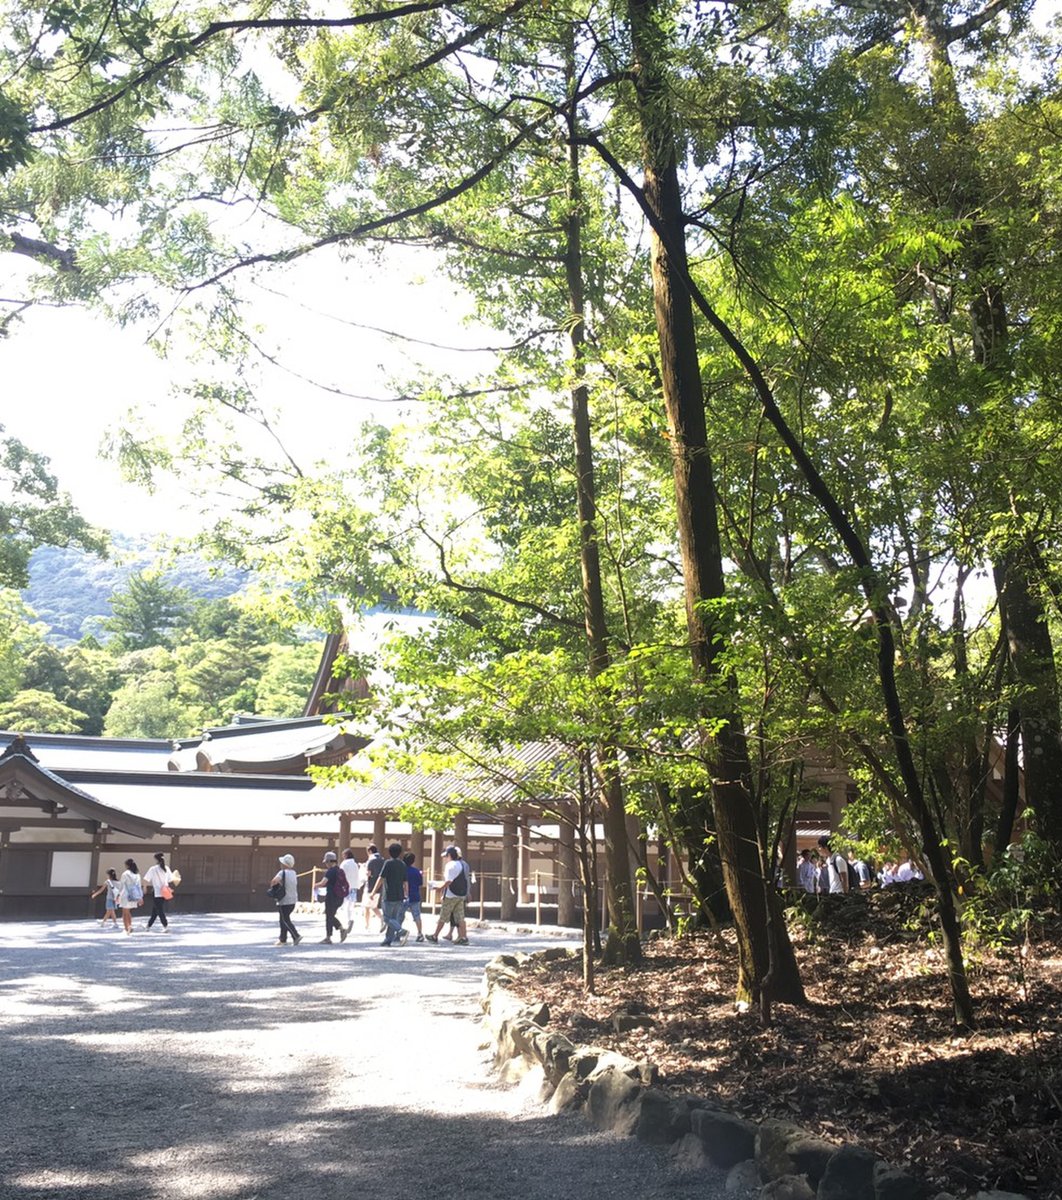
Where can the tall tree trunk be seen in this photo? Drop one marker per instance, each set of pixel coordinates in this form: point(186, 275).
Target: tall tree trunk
point(1023, 611)
point(623, 945)
point(1008, 810)
point(702, 563)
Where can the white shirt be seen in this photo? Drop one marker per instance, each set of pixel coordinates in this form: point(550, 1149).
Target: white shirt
point(157, 878)
point(352, 870)
point(806, 874)
point(834, 868)
point(128, 879)
point(454, 868)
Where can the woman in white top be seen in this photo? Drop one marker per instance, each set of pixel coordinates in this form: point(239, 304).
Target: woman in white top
point(130, 893)
point(349, 866)
point(158, 879)
point(286, 904)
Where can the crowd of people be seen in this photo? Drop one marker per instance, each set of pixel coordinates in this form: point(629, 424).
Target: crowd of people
point(829, 872)
point(125, 893)
point(383, 891)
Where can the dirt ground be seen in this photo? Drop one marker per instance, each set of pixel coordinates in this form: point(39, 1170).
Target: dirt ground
point(208, 1064)
point(873, 1058)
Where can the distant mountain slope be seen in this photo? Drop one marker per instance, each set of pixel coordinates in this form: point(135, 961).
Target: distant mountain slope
point(70, 590)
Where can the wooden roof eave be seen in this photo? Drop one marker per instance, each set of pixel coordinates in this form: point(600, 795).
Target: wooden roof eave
point(20, 770)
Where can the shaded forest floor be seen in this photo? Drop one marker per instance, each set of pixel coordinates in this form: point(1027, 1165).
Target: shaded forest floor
point(873, 1058)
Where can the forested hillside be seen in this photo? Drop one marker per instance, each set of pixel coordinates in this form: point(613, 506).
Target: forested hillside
point(70, 589)
point(133, 646)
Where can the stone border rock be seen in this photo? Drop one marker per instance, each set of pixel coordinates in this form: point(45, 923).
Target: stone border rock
point(618, 1094)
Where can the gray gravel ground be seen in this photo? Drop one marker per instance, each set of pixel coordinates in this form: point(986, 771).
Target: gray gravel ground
point(209, 1064)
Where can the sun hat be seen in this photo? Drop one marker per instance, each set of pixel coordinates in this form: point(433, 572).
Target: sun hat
point(330, 856)
point(286, 860)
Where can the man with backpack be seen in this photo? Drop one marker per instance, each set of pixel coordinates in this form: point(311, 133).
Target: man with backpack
point(335, 885)
point(836, 868)
point(454, 889)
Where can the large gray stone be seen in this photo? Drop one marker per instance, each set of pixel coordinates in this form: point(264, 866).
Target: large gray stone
point(890, 1183)
point(745, 1177)
point(788, 1187)
point(849, 1175)
point(554, 954)
point(785, 1149)
point(727, 1139)
point(809, 1156)
point(683, 1108)
point(570, 1093)
point(656, 1118)
point(611, 1102)
point(1001, 1196)
point(688, 1153)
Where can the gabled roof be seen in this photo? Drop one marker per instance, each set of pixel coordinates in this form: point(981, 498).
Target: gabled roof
point(529, 775)
point(267, 746)
point(25, 783)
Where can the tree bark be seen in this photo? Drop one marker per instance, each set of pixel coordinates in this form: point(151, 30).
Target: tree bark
point(702, 561)
point(1023, 611)
point(623, 946)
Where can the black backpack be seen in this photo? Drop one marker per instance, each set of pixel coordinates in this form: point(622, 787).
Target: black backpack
point(459, 884)
point(854, 884)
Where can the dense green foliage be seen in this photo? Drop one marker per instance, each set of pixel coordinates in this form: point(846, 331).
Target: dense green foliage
point(170, 665)
point(862, 205)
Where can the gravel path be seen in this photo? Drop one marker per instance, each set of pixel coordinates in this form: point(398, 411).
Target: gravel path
point(208, 1063)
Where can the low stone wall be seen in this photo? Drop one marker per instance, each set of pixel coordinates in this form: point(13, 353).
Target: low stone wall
point(776, 1158)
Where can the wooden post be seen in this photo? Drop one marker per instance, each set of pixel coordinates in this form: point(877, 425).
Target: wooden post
point(538, 899)
point(566, 873)
point(344, 831)
point(508, 869)
point(379, 833)
point(523, 862)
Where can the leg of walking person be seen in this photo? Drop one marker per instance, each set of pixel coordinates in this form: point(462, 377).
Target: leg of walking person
point(158, 909)
point(331, 908)
point(287, 926)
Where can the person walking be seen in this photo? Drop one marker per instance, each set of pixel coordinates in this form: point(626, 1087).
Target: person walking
point(352, 870)
point(416, 881)
point(287, 878)
point(159, 879)
point(110, 887)
point(454, 889)
point(130, 893)
point(333, 898)
point(393, 886)
point(374, 862)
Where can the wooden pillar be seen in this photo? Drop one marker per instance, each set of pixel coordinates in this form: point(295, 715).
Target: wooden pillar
point(523, 864)
point(253, 875)
point(344, 831)
point(789, 852)
point(379, 833)
point(94, 867)
point(461, 833)
point(508, 869)
point(433, 869)
point(838, 799)
point(566, 874)
point(416, 845)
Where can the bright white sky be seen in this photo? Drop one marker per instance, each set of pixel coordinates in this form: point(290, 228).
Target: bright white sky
point(72, 376)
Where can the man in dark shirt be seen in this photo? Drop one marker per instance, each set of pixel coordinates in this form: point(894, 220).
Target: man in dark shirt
point(332, 898)
point(416, 880)
point(370, 898)
point(393, 884)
